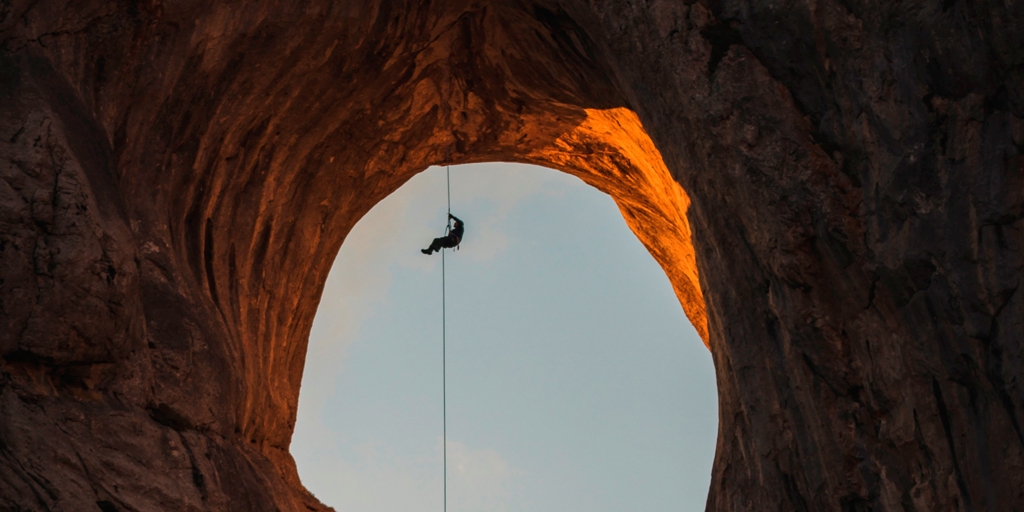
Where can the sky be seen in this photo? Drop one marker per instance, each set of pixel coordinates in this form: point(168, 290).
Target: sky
point(575, 383)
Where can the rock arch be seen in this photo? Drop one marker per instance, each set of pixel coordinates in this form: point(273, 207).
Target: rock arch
point(179, 176)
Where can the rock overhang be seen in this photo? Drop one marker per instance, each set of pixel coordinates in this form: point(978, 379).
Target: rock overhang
point(847, 292)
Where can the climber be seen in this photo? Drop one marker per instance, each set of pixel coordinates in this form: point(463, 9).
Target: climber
point(452, 239)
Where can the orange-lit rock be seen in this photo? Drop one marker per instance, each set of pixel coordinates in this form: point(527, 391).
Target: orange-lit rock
point(176, 178)
point(611, 151)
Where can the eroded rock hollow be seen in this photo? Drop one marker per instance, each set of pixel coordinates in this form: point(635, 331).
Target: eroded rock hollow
point(835, 189)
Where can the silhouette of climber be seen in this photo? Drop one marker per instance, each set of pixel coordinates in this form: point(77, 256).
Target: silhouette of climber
point(452, 239)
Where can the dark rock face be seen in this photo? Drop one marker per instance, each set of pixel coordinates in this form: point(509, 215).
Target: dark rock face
point(177, 177)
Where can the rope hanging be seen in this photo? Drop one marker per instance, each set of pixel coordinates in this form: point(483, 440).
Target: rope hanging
point(446, 108)
point(444, 358)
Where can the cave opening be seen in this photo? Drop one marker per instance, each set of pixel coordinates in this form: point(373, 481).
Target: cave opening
point(575, 380)
point(179, 176)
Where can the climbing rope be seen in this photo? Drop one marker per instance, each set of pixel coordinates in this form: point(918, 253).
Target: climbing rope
point(446, 107)
point(444, 358)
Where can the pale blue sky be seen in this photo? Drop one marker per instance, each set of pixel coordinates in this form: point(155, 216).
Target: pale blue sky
point(575, 381)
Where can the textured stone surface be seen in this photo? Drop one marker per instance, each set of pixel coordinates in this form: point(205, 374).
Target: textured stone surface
point(177, 177)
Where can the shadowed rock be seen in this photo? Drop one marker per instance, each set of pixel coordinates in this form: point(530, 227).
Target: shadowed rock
point(847, 176)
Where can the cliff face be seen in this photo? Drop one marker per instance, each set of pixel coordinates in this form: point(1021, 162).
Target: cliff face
point(847, 176)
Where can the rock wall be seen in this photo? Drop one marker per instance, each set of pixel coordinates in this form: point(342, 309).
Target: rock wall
point(847, 176)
